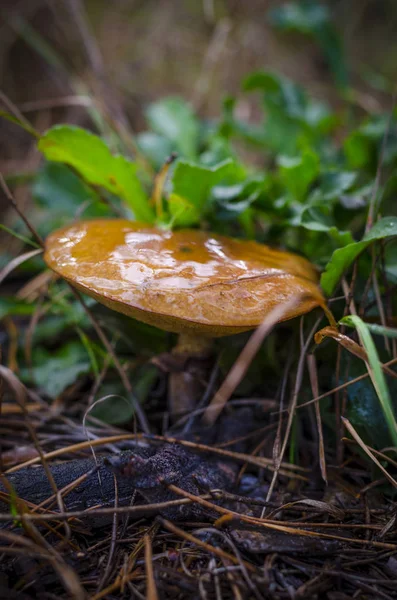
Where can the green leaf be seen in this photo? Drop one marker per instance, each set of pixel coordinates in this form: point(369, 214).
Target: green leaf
point(235, 199)
point(342, 238)
point(340, 261)
point(279, 91)
point(359, 150)
point(63, 195)
point(218, 149)
point(155, 147)
point(344, 257)
point(291, 117)
point(363, 146)
point(92, 159)
point(316, 218)
point(184, 213)
point(375, 372)
point(335, 183)
point(54, 371)
point(357, 198)
point(298, 173)
point(174, 119)
point(191, 186)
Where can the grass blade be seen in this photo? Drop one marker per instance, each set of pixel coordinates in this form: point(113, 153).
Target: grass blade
point(373, 328)
point(375, 372)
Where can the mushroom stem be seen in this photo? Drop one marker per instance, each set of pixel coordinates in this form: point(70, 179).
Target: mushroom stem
point(191, 344)
point(187, 382)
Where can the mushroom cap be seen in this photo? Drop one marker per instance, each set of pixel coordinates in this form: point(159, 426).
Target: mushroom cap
point(181, 281)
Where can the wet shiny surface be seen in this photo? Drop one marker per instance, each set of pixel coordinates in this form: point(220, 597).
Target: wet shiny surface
point(194, 279)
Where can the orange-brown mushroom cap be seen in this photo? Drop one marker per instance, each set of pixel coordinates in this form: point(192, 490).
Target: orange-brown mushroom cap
point(181, 281)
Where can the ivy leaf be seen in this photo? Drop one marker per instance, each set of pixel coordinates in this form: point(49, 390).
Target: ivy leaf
point(92, 159)
point(344, 257)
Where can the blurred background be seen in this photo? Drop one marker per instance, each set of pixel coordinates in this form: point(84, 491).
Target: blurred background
point(131, 52)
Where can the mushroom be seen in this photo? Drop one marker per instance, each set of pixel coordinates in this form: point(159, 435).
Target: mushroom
point(197, 284)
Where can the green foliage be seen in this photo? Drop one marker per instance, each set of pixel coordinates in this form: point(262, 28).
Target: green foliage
point(298, 172)
point(361, 145)
point(363, 404)
point(54, 371)
point(175, 122)
point(344, 257)
point(63, 196)
point(92, 159)
point(191, 187)
point(376, 374)
point(292, 118)
point(155, 147)
point(315, 187)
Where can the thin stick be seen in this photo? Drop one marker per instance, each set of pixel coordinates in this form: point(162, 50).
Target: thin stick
point(312, 366)
point(245, 358)
point(292, 406)
point(194, 540)
point(75, 447)
point(228, 515)
point(344, 385)
point(17, 114)
point(151, 589)
point(367, 451)
point(11, 200)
